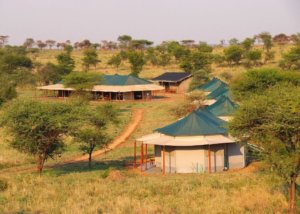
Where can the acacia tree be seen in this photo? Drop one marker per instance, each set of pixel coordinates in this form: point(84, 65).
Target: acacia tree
point(90, 57)
point(29, 43)
point(65, 61)
point(50, 43)
point(93, 132)
point(115, 60)
point(137, 61)
point(37, 128)
point(124, 41)
point(233, 54)
point(271, 121)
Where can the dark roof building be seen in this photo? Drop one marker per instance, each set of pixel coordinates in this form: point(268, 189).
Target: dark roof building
point(174, 81)
point(223, 107)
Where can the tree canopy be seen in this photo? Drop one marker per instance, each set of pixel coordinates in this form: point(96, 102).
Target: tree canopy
point(271, 121)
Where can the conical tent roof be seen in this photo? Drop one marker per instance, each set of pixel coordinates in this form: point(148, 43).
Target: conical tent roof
point(122, 80)
point(213, 84)
point(220, 91)
point(200, 122)
point(223, 107)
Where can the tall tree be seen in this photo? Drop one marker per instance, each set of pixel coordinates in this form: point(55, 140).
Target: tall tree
point(124, 41)
point(50, 43)
point(271, 121)
point(137, 61)
point(29, 43)
point(115, 61)
point(90, 57)
point(267, 40)
point(65, 62)
point(93, 135)
point(247, 44)
point(41, 44)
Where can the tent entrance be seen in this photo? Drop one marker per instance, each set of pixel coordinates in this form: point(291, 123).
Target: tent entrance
point(138, 95)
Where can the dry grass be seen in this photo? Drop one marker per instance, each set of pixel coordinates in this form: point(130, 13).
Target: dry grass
point(108, 187)
point(124, 192)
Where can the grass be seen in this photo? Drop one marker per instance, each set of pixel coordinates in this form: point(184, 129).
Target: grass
point(126, 192)
point(109, 187)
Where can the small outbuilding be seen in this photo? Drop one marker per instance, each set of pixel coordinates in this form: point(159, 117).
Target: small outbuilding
point(113, 87)
point(176, 82)
point(196, 143)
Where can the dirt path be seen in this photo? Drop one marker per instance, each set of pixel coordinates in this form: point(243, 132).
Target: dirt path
point(137, 116)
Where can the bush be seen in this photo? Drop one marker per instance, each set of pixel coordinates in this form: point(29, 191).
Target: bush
point(3, 185)
point(226, 75)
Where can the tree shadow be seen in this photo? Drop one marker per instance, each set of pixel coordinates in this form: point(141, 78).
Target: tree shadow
point(82, 166)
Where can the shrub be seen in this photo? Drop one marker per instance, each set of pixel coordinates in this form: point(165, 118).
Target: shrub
point(3, 185)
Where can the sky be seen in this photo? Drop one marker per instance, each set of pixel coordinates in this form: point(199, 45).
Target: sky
point(155, 20)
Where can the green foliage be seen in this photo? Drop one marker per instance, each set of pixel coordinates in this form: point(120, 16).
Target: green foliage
point(92, 132)
point(38, 128)
point(271, 121)
point(49, 73)
point(268, 56)
point(267, 40)
point(115, 61)
point(124, 41)
point(291, 59)
point(204, 47)
point(65, 62)
point(247, 44)
point(233, 54)
point(193, 101)
point(140, 44)
point(81, 80)
point(3, 185)
point(137, 61)
point(234, 41)
point(256, 81)
point(7, 89)
point(199, 78)
point(196, 61)
point(177, 50)
point(253, 57)
point(90, 57)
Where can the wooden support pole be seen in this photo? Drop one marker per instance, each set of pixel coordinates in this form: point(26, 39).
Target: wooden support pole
point(134, 157)
point(164, 161)
point(109, 95)
point(209, 160)
point(142, 156)
point(146, 155)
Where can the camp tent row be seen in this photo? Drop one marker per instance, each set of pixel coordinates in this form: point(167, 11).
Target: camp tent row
point(198, 142)
point(112, 87)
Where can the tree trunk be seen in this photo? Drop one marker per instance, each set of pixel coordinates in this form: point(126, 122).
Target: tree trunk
point(90, 159)
point(292, 195)
point(40, 164)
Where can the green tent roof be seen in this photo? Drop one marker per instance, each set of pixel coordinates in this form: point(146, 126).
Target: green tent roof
point(200, 122)
point(123, 80)
point(212, 85)
point(222, 90)
point(223, 107)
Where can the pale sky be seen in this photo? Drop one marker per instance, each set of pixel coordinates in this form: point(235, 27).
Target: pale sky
point(156, 20)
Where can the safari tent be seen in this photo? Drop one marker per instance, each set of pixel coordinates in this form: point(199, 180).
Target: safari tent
point(177, 82)
point(211, 85)
point(112, 87)
point(196, 143)
point(223, 108)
